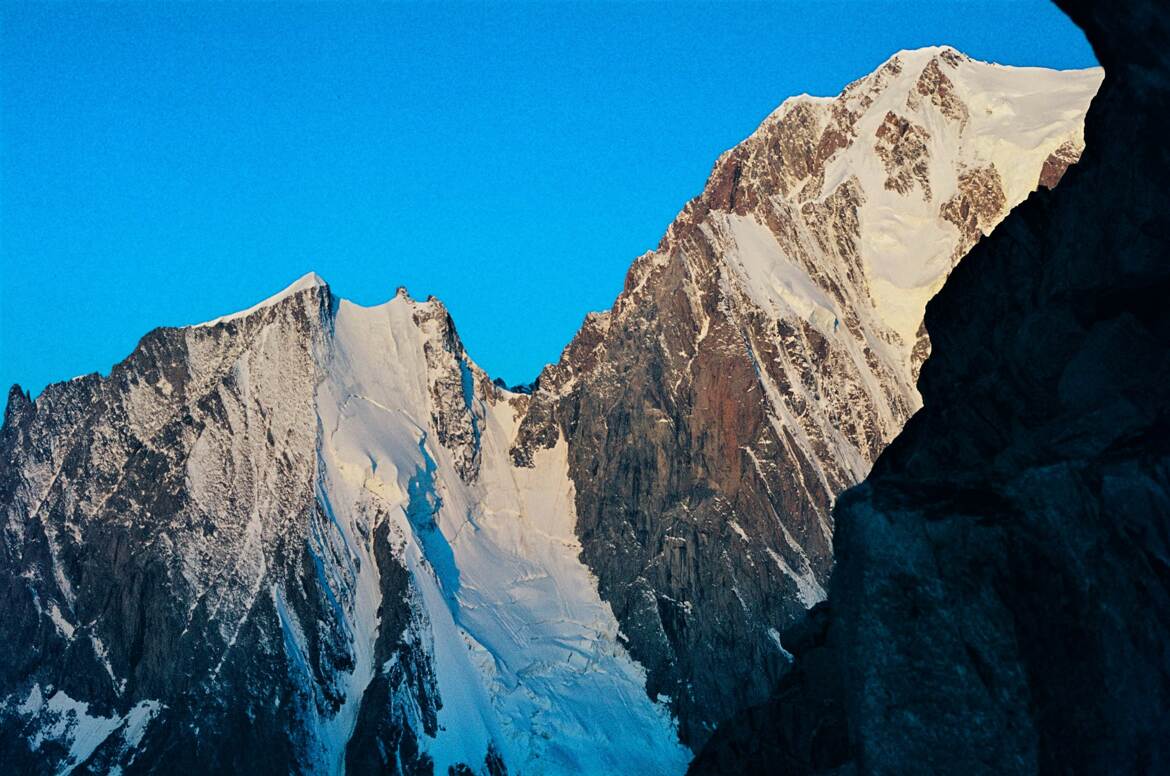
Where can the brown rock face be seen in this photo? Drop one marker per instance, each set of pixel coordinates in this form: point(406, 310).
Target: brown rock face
point(977, 206)
point(745, 376)
point(979, 201)
point(1058, 163)
point(934, 85)
point(902, 148)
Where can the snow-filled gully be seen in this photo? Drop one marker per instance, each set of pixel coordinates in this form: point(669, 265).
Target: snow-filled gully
point(525, 654)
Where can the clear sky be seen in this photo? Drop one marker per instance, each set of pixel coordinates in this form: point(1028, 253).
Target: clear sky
point(163, 164)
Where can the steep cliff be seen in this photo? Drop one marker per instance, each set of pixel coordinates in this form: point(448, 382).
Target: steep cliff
point(1001, 600)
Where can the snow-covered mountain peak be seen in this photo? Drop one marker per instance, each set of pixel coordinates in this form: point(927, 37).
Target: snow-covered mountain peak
point(929, 151)
point(345, 541)
point(310, 281)
point(757, 363)
point(913, 60)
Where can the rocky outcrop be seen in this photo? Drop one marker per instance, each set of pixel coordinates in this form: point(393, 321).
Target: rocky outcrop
point(1001, 600)
point(452, 388)
point(979, 203)
point(935, 86)
point(1057, 163)
point(902, 147)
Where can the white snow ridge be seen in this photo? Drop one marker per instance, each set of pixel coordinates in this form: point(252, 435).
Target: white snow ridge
point(524, 651)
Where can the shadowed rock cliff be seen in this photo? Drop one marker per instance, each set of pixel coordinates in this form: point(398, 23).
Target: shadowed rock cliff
point(1001, 599)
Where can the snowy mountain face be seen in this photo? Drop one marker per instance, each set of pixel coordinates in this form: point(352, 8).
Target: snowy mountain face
point(314, 537)
point(292, 540)
point(761, 358)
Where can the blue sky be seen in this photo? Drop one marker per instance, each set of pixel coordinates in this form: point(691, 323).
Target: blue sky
point(163, 164)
